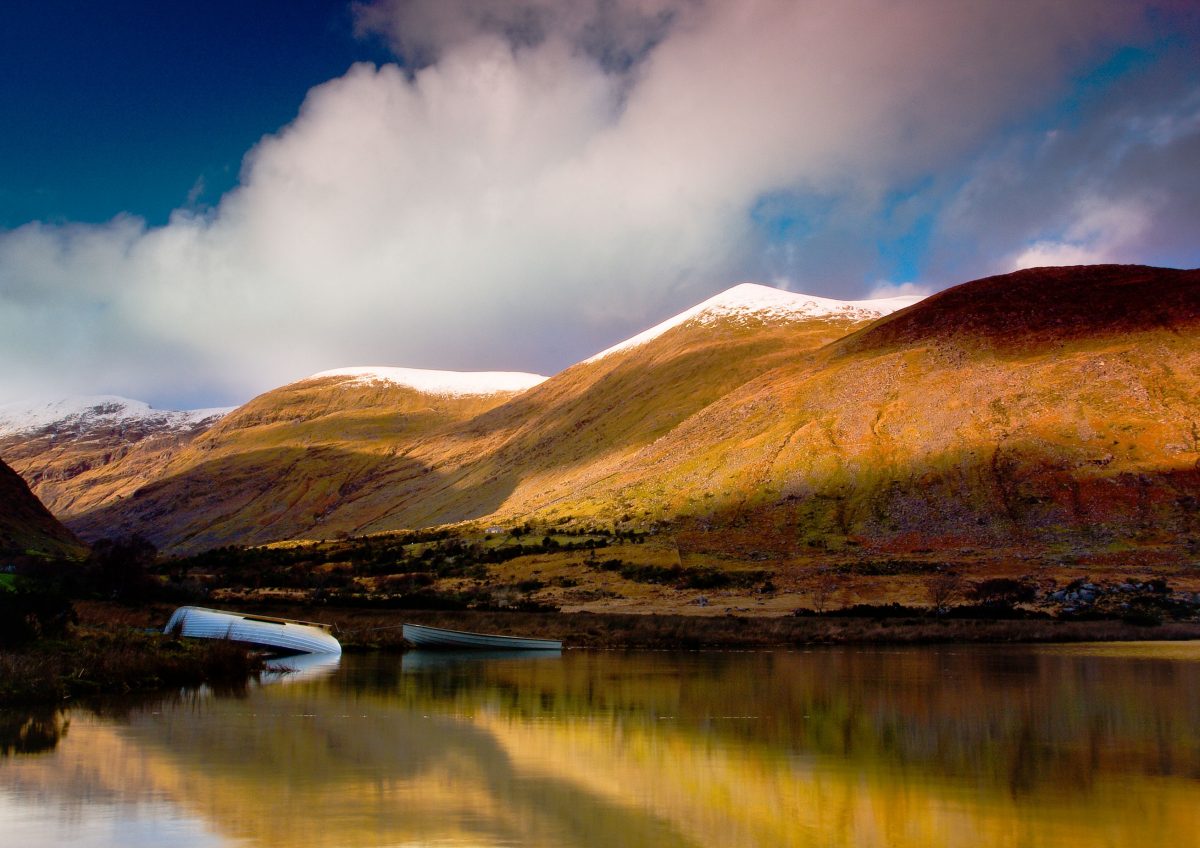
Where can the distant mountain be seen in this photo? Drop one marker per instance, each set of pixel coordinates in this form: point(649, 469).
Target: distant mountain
point(281, 463)
point(76, 415)
point(77, 452)
point(27, 527)
point(345, 454)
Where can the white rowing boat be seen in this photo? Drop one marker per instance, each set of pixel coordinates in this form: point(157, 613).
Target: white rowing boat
point(436, 637)
point(281, 634)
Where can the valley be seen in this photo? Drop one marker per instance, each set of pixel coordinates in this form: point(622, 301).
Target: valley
point(793, 452)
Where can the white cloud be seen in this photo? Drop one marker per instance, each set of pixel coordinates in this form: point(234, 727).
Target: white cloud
point(1100, 231)
point(884, 289)
point(1115, 183)
point(519, 208)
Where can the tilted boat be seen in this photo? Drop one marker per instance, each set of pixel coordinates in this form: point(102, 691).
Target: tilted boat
point(280, 634)
point(436, 637)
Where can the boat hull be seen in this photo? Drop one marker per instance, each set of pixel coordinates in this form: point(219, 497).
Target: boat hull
point(277, 634)
point(422, 636)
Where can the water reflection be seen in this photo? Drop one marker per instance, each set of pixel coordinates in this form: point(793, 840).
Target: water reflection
point(420, 661)
point(929, 747)
point(31, 731)
point(300, 668)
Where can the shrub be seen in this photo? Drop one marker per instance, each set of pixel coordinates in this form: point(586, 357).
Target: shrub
point(1003, 590)
point(30, 611)
point(119, 568)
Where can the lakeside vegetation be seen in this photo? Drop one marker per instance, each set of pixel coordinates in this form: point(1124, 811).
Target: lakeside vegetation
point(48, 655)
point(96, 660)
point(577, 565)
point(71, 629)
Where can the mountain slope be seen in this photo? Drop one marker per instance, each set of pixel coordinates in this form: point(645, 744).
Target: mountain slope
point(27, 527)
point(1049, 406)
point(321, 457)
point(1048, 410)
point(579, 428)
point(1044, 308)
point(281, 462)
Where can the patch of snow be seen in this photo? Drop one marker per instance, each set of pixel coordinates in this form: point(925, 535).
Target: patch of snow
point(84, 412)
point(768, 304)
point(453, 383)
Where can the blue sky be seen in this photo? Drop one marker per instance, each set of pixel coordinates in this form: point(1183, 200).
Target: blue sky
point(201, 201)
point(125, 106)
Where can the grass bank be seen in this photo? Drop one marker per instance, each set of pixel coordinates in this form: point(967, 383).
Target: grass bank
point(361, 629)
point(111, 660)
point(588, 630)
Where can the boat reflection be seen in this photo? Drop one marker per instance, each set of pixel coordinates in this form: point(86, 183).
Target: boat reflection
point(421, 661)
point(299, 668)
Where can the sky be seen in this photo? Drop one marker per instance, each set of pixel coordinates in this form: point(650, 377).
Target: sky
point(202, 201)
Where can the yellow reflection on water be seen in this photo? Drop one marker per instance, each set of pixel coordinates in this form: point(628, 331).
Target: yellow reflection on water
point(922, 747)
point(1176, 651)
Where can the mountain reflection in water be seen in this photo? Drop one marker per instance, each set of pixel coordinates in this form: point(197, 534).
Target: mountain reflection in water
point(855, 747)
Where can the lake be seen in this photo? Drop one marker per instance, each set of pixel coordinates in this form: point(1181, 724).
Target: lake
point(1089, 745)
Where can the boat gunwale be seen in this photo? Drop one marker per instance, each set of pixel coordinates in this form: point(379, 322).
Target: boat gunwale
point(557, 643)
point(267, 619)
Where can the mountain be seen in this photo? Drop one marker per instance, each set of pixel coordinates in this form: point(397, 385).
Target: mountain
point(1053, 411)
point(278, 465)
point(1054, 408)
point(77, 452)
point(27, 527)
point(577, 432)
point(1048, 410)
point(341, 454)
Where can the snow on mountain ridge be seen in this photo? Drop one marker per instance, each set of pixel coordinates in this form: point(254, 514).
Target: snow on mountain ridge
point(767, 303)
point(96, 410)
point(453, 383)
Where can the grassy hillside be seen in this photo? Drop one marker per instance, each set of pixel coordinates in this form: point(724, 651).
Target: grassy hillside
point(333, 456)
point(1051, 415)
point(1060, 419)
point(278, 465)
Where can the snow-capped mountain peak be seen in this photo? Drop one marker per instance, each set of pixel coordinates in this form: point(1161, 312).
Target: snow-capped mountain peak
point(83, 412)
point(767, 303)
point(452, 383)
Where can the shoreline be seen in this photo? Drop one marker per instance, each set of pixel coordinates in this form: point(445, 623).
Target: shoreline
point(116, 661)
point(366, 629)
point(111, 654)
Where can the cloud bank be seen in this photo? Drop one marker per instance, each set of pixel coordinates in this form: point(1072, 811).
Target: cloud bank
point(534, 181)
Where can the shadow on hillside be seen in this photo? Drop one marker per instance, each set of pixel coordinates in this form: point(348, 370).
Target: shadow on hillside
point(249, 498)
point(957, 499)
point(598, 409)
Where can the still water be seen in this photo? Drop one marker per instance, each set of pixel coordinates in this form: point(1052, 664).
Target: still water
point(948, 746)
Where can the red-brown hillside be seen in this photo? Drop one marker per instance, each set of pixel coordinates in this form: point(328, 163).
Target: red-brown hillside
point(1040, 306)
point(27, 527)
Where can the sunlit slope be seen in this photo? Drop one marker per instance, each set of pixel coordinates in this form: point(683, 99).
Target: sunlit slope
point(582, 428)
point(280, 464)
point(1052, 404)
point(26, 526)
point(1047, 407)
point(333, 455)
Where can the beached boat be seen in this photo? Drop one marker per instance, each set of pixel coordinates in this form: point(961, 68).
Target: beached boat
point(436, 637)
point(279, 634)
